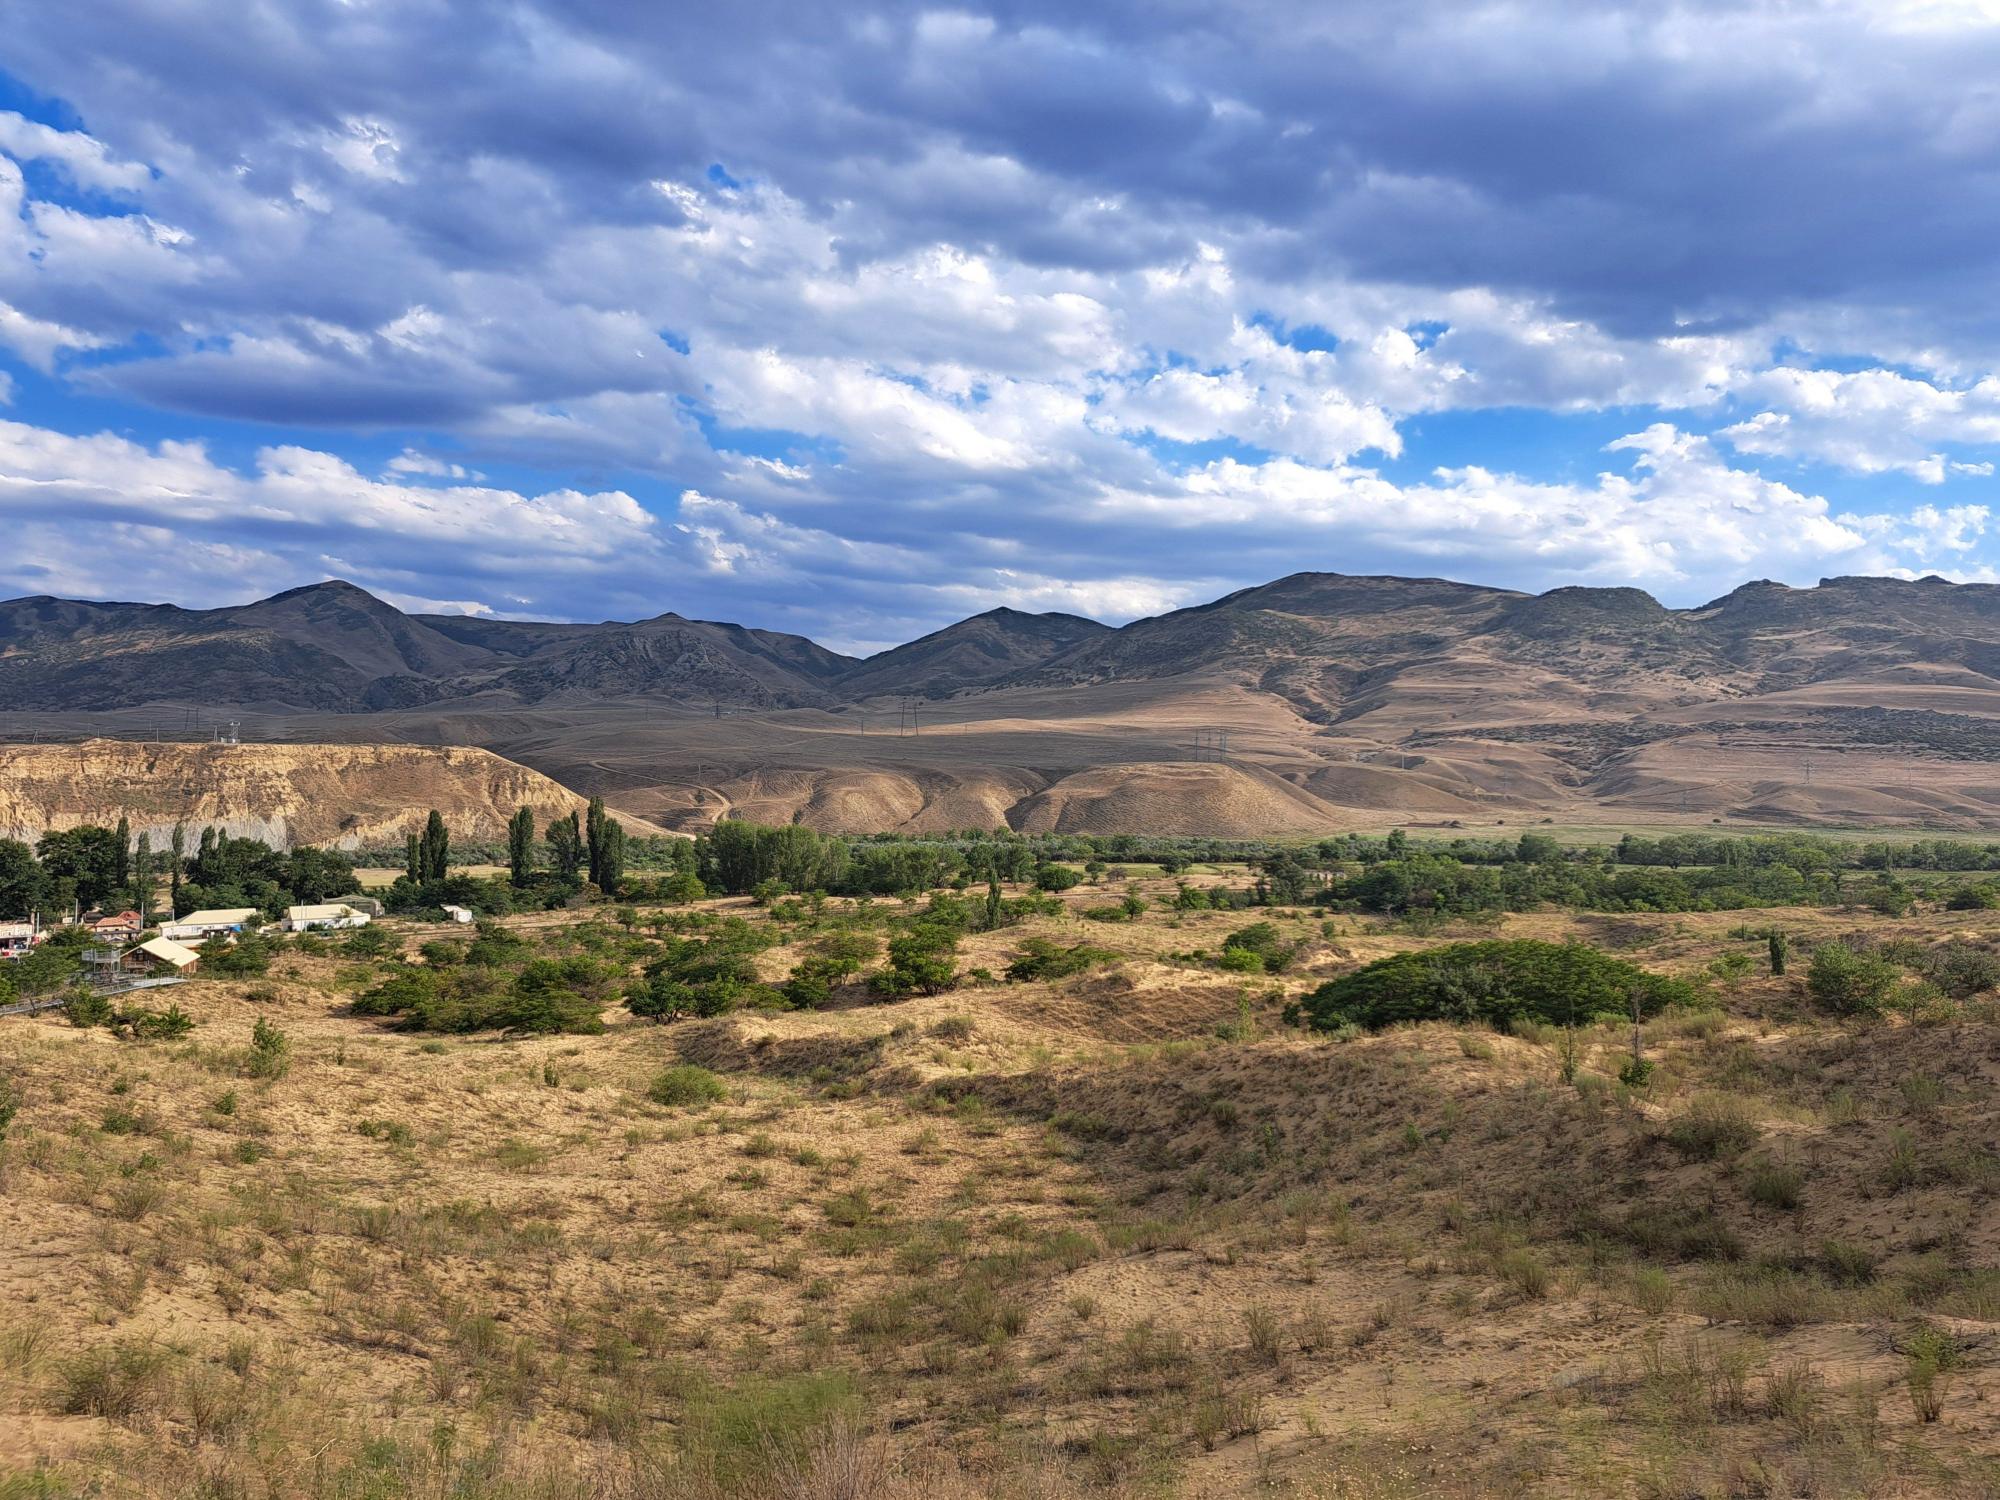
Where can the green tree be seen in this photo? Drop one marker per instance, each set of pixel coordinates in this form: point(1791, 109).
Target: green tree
point(994, 909)
point(521, 846)
point(594, 822)
point(23, 887)
point(177, 856)
point(142, 879)
point(413, 857)
point(604, 841)
point(436, 852)
point(565, 841)
point(121, 867)
point(1780, 950)
point(85, 857)
point(313, 875)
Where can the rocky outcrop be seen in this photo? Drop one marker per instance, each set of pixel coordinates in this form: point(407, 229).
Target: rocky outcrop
point(344, 795)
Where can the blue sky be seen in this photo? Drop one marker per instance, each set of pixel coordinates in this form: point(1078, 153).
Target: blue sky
point(855, 320)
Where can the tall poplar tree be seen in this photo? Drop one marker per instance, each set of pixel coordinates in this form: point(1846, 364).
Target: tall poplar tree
point(521, 846)
point(437, 848)
point(121, 865)
point(142, 879)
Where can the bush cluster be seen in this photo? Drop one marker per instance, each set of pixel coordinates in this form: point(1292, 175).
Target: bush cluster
point(1493, 983)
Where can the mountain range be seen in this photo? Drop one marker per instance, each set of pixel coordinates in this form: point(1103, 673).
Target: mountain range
point(1308, 702)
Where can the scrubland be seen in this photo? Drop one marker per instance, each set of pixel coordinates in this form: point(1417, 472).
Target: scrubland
point(1124, 1232)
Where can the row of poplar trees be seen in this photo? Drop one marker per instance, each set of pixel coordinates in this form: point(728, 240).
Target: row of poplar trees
point(597, 843)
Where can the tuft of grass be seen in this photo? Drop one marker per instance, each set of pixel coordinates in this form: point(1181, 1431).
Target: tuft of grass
point(1776, 1185)
point(118, 1381)
point(1714, 1127)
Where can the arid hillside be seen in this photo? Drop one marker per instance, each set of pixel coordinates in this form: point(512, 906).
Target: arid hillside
point(1317, 702)
point(1121, 1232)
point(284, 794)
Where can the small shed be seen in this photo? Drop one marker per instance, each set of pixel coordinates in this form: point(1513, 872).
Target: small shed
point(459, 913)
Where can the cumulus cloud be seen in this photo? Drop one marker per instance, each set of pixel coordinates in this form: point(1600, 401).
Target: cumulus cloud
point(1870, 421)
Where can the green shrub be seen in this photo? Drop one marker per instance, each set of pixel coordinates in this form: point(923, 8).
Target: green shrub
point(1262, 941)
point(1041, 959)
point(144, 1025)
point(922, 961)
point(368, 942)
point(1850, 983)
point(246, 958)
point(270, 1051)
point(86, 1008)
point(1497, 983)
point(686, 1085)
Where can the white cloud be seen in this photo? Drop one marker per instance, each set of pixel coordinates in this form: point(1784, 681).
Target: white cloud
point(1870, 421)
point(39, 341)
point(299, 516)
point(82, 158)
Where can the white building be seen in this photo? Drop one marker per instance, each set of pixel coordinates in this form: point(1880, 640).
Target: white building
point(329, 915)
point(17, 938)
point(200, 926)
point(459, 913)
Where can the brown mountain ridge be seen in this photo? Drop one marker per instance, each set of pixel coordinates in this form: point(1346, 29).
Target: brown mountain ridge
point(1319, 700)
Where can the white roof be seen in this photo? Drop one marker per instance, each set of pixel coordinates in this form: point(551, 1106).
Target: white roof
point(457, 911)
point(325, 913)
point(168, 951)
point(233, 916)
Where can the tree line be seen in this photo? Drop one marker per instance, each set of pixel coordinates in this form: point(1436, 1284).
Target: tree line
point(92, 866)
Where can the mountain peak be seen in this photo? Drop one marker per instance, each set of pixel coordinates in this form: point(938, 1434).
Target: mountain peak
point(330, 588)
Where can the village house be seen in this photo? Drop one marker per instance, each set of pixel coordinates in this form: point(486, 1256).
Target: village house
point(161, 955)
point(199, 926)
point(459, 913)
point(328, 915)
point(117, 926)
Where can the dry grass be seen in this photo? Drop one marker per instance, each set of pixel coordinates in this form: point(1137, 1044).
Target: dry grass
point(1121, 1234)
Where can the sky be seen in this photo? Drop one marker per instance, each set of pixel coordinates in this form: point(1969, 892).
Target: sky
point(854, 320)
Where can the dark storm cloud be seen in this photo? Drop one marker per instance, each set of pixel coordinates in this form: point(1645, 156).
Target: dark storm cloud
point(1633, 163)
